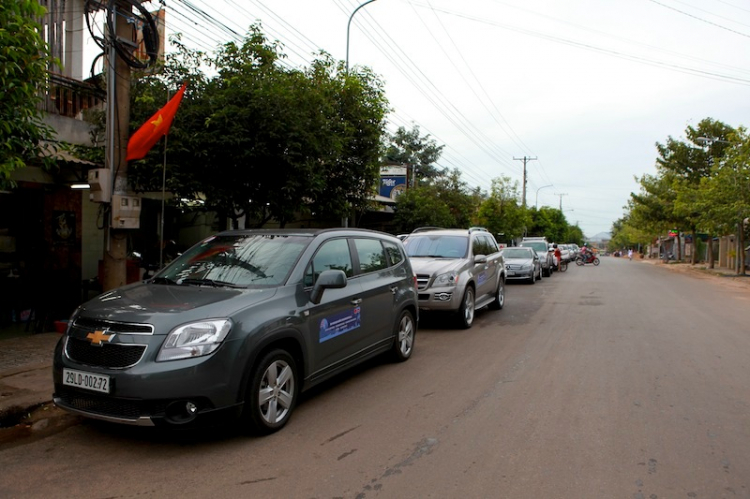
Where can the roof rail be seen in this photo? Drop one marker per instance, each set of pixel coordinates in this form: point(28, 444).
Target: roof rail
point(477, 229)
point(426, 229)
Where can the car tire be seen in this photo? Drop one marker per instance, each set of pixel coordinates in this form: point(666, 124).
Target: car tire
point(532, 280)
point(466, 311)
point(405, 331)
point(272, 392)
point(499, 301)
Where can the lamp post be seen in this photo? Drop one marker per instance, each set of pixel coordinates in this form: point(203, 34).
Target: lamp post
point(536, 202)
point(348, 25)
point(345, 220)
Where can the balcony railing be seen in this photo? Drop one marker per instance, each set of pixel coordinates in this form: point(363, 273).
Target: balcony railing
point(69, 97)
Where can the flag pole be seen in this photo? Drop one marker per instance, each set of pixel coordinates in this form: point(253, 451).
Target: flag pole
point(163, 194)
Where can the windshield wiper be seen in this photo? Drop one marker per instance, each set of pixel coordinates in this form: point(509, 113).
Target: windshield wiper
point(210, 282)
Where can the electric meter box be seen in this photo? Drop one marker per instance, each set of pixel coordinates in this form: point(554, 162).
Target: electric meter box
point(126, 212)
point(100, 182)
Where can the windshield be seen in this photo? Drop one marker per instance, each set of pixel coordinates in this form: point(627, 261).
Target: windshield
point(539, 246)
point(237, 261)
point(516, 253)
point(436, 246)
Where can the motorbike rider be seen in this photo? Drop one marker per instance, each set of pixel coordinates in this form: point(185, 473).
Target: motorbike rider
point(558, 256)
point(587, 253)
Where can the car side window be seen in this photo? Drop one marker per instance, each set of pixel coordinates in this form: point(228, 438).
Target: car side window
point(491, 245)
point(394, 253)
point(479, 246)
point(332, 255)
point(371, 255)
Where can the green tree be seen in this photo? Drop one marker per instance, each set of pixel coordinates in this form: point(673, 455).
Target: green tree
point(266, 142)
point(445, 201)
point(419, 153)
point(501, 212)
point(687, 163)
point(24, 59)
point(725, 196)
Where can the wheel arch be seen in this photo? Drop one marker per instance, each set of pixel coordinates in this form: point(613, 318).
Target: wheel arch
point(287, 340)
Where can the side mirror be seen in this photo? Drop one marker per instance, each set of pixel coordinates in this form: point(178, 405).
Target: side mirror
point(328, 279)
point(479, 259)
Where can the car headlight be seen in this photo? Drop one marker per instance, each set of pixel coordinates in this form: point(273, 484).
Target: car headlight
point(194, 340)
point(526, 267)
point(447, 279)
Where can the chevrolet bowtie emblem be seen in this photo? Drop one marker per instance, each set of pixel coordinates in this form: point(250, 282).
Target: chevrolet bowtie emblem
point(99, 337)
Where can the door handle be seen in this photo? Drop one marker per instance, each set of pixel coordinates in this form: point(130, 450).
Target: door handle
point(394, 289)
point(356, 301)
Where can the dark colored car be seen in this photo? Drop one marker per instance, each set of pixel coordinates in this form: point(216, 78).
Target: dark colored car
point(522, 263)
point(240, 323)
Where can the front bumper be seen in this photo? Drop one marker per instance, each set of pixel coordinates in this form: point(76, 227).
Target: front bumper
point(182, 392)
point(512, 275)
point(443, 299)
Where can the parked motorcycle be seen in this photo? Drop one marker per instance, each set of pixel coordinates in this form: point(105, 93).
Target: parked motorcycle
point(584, 259)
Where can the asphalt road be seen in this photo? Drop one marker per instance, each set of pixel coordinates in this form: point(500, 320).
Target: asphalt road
point(626, 380)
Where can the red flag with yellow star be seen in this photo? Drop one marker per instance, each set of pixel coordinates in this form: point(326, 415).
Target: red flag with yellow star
point(155, 128)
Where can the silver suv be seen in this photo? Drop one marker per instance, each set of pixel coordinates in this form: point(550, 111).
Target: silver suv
point(241, 323)
point(457, 270)
point(544, 250)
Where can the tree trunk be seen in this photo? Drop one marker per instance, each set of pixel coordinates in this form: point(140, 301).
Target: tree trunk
point(710, 251)
point(678, 256)
point(694, 252)
point(740, 249)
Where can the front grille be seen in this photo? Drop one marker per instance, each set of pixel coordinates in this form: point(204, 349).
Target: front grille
point(108, 406)
point(422, 281)
point(109, 355)
point(88, 325)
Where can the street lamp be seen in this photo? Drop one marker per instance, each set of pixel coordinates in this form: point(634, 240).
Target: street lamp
point(348, 25)
point(536, 202)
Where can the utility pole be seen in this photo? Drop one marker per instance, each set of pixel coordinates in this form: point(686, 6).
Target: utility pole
point(118, 94)
point(525, 159)
point(561, 195)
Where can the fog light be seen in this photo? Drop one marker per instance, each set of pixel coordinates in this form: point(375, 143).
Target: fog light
point(191, 408)
point(443, 296)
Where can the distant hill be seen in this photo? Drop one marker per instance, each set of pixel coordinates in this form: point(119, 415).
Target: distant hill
point(602, 236)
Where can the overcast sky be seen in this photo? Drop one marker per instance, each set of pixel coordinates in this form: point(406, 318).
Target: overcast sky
point(587, 87)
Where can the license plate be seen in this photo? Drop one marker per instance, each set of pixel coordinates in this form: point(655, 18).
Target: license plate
point(87, 381)
point(510, 272)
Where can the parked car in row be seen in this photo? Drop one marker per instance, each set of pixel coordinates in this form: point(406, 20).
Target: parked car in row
point(542, 248)
point(522, 264)
point(241, 323)
point(458, 271)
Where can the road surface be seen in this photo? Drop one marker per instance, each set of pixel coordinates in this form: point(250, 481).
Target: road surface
point(626, 380)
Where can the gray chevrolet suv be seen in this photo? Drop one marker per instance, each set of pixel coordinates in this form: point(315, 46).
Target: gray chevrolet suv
point(242, 322)
point(458, 270)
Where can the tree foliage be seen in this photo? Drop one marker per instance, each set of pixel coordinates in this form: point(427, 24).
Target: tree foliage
point(24, 59)
point(445, 201)
point(501, 212)
point(267, 142)
point(419, 153)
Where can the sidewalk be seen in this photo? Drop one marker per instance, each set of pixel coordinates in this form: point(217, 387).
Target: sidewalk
point(25, 374)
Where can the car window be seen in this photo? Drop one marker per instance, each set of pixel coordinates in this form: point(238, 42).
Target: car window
point(394, 253)
point(491, 245)
point(256, 260)
point(539, 246)
point(436, 246)
point(371, 255)
point(517, 253)
point(332, 255)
